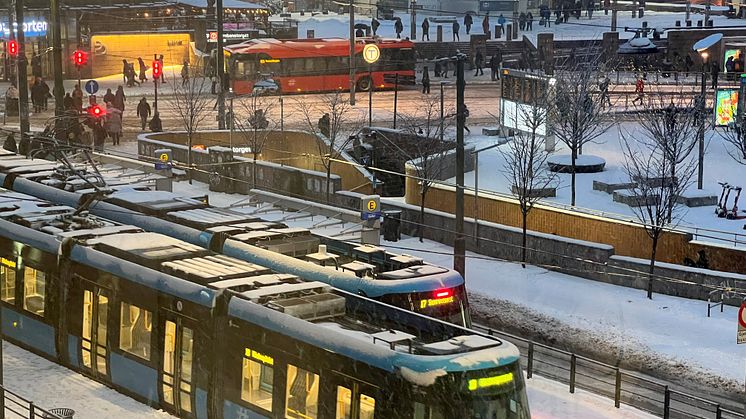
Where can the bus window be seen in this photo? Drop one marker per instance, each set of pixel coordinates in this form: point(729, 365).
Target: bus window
point(269, 65)
point(34, 290)
point(302, 398)
point(8, 280)
point(258, 379)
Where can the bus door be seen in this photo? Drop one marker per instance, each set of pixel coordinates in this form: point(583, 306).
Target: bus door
point(175, 375)
point(354, 399)
point(94, 349)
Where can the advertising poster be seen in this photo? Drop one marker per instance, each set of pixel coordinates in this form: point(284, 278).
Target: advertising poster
point(726, 103)
point(735, 53)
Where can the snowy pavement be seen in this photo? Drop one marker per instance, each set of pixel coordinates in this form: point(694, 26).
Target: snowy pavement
point(50, 385)
point(334, 25)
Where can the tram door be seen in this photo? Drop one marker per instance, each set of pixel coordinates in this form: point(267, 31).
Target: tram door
point(176, 369)
point(94, 351)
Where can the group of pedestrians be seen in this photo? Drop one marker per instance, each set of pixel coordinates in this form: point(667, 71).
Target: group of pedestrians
point(130, 77)
point(40, 95)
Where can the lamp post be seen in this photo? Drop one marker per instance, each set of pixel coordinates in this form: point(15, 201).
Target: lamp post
point(702, 108)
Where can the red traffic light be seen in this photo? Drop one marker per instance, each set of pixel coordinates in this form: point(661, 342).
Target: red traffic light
point(13, 47)
point(80, 58)
point(157, 69)
point(96, 111)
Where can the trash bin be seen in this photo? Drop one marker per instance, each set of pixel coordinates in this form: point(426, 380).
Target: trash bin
point(392, 225)
point(61, 412)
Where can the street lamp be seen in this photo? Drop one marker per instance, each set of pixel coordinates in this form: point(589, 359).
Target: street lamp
point(701, 47)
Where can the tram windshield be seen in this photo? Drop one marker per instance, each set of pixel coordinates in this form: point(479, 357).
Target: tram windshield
point(447, 304)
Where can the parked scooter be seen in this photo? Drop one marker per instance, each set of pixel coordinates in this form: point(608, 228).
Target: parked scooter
point(722, 210)
point(733, 213)
point(721, 205)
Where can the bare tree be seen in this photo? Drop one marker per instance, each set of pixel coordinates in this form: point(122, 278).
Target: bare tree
point(648, 164)
point(191, 100)
point(525, 164)
point(578, 116)
point(673, 128)
point(427, 153)
point(735, 135)
point(256, 127)
point(335, 112)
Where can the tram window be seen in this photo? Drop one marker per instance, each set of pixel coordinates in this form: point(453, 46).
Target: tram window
point(8, 280)
point(257, 383)
point(344, 402)
point(134, 334)
point(302, 398)
point(367, 406)
point(426, 412)
point(34, 290)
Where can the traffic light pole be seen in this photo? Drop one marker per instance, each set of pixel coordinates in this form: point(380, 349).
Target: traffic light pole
point(22, 80)
point(220, 63)
point(155, 84)
point(59, 88)
point(459, 244)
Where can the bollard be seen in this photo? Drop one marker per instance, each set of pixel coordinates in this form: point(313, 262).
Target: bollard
point(573, 362)
point(666, 403)
point(640, 12)
point(618, 389)
point(688, 23)
point(515, 29)
point(699, 23)
point(509, 32)
point(498, 32)
point(439, 34)
point(530, 365)
point(677, 24)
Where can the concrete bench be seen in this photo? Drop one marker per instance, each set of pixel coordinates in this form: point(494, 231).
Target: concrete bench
point(538, 193)
point(611, 187)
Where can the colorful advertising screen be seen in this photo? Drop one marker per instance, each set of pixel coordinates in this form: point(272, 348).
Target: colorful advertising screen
point(735, 53)
point(726, 103)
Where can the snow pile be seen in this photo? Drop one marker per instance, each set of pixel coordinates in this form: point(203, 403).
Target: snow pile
point(422, 379)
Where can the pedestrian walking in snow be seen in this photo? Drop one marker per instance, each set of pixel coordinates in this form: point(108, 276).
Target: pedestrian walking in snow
point(425, 29)
point(143, 69)
point(143, 111)
point(479, 63)
point(398, 27)
point(456, 28)
point(468, 21)
point(425, 81)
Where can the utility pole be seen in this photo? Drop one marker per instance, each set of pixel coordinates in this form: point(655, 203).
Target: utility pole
point(22, 76)
point(396, 97)
point(10, 64)
point(352, 52)
point(220, 63)
point(59, 88)
point(413, 21)
point(459, 244)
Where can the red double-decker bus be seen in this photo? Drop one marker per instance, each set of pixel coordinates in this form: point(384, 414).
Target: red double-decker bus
point(316, 65)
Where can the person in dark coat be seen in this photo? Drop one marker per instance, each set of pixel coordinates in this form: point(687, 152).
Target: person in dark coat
point(479, 63)
point(486, 24)
point(143, 111)
point(185, 73)
point(37, 95)
point(715, 72)
point(125, 71)
point(375, 24)
point(358, 34)
point(68, 102)
point(456, 28)
point(522, 21)
point(119, 99)
point(529, 21)
point(425, 29)
point(109, 96)
point(155, 124)
point(495, 63)
point(78, 98)
point(398, 27)
point(36, 65)
point(45, 93)
point(468, 21)
point(425, 81)
point(143, 69)
point(99, 135)
point(325, 125)
point(436, 67)
point(10, 143)
point(163, 73)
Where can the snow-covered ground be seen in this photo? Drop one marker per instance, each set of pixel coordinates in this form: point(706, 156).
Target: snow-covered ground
point(719, 166)
point(50, 385)
point(334, 25)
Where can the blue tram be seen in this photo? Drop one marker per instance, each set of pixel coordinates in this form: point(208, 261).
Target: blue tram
point(401, 280)
point(205, 335)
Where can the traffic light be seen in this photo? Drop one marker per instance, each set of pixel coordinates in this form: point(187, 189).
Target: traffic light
point(80, 58)
point(157, 69)
point(96, 111)
point(13, 48)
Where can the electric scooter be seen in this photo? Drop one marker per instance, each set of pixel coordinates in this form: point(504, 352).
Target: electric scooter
point(733, 214)
point(723, 211)
point(721, 205)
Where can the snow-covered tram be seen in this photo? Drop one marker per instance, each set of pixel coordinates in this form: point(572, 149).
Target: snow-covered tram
point(401, 280)
point(204, 335)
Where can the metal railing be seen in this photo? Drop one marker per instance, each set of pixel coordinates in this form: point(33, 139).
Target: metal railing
point(579, 372)
point(14, 406)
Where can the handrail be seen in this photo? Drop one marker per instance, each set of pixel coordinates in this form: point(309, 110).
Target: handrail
point(647, 394)
point(25, 408)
